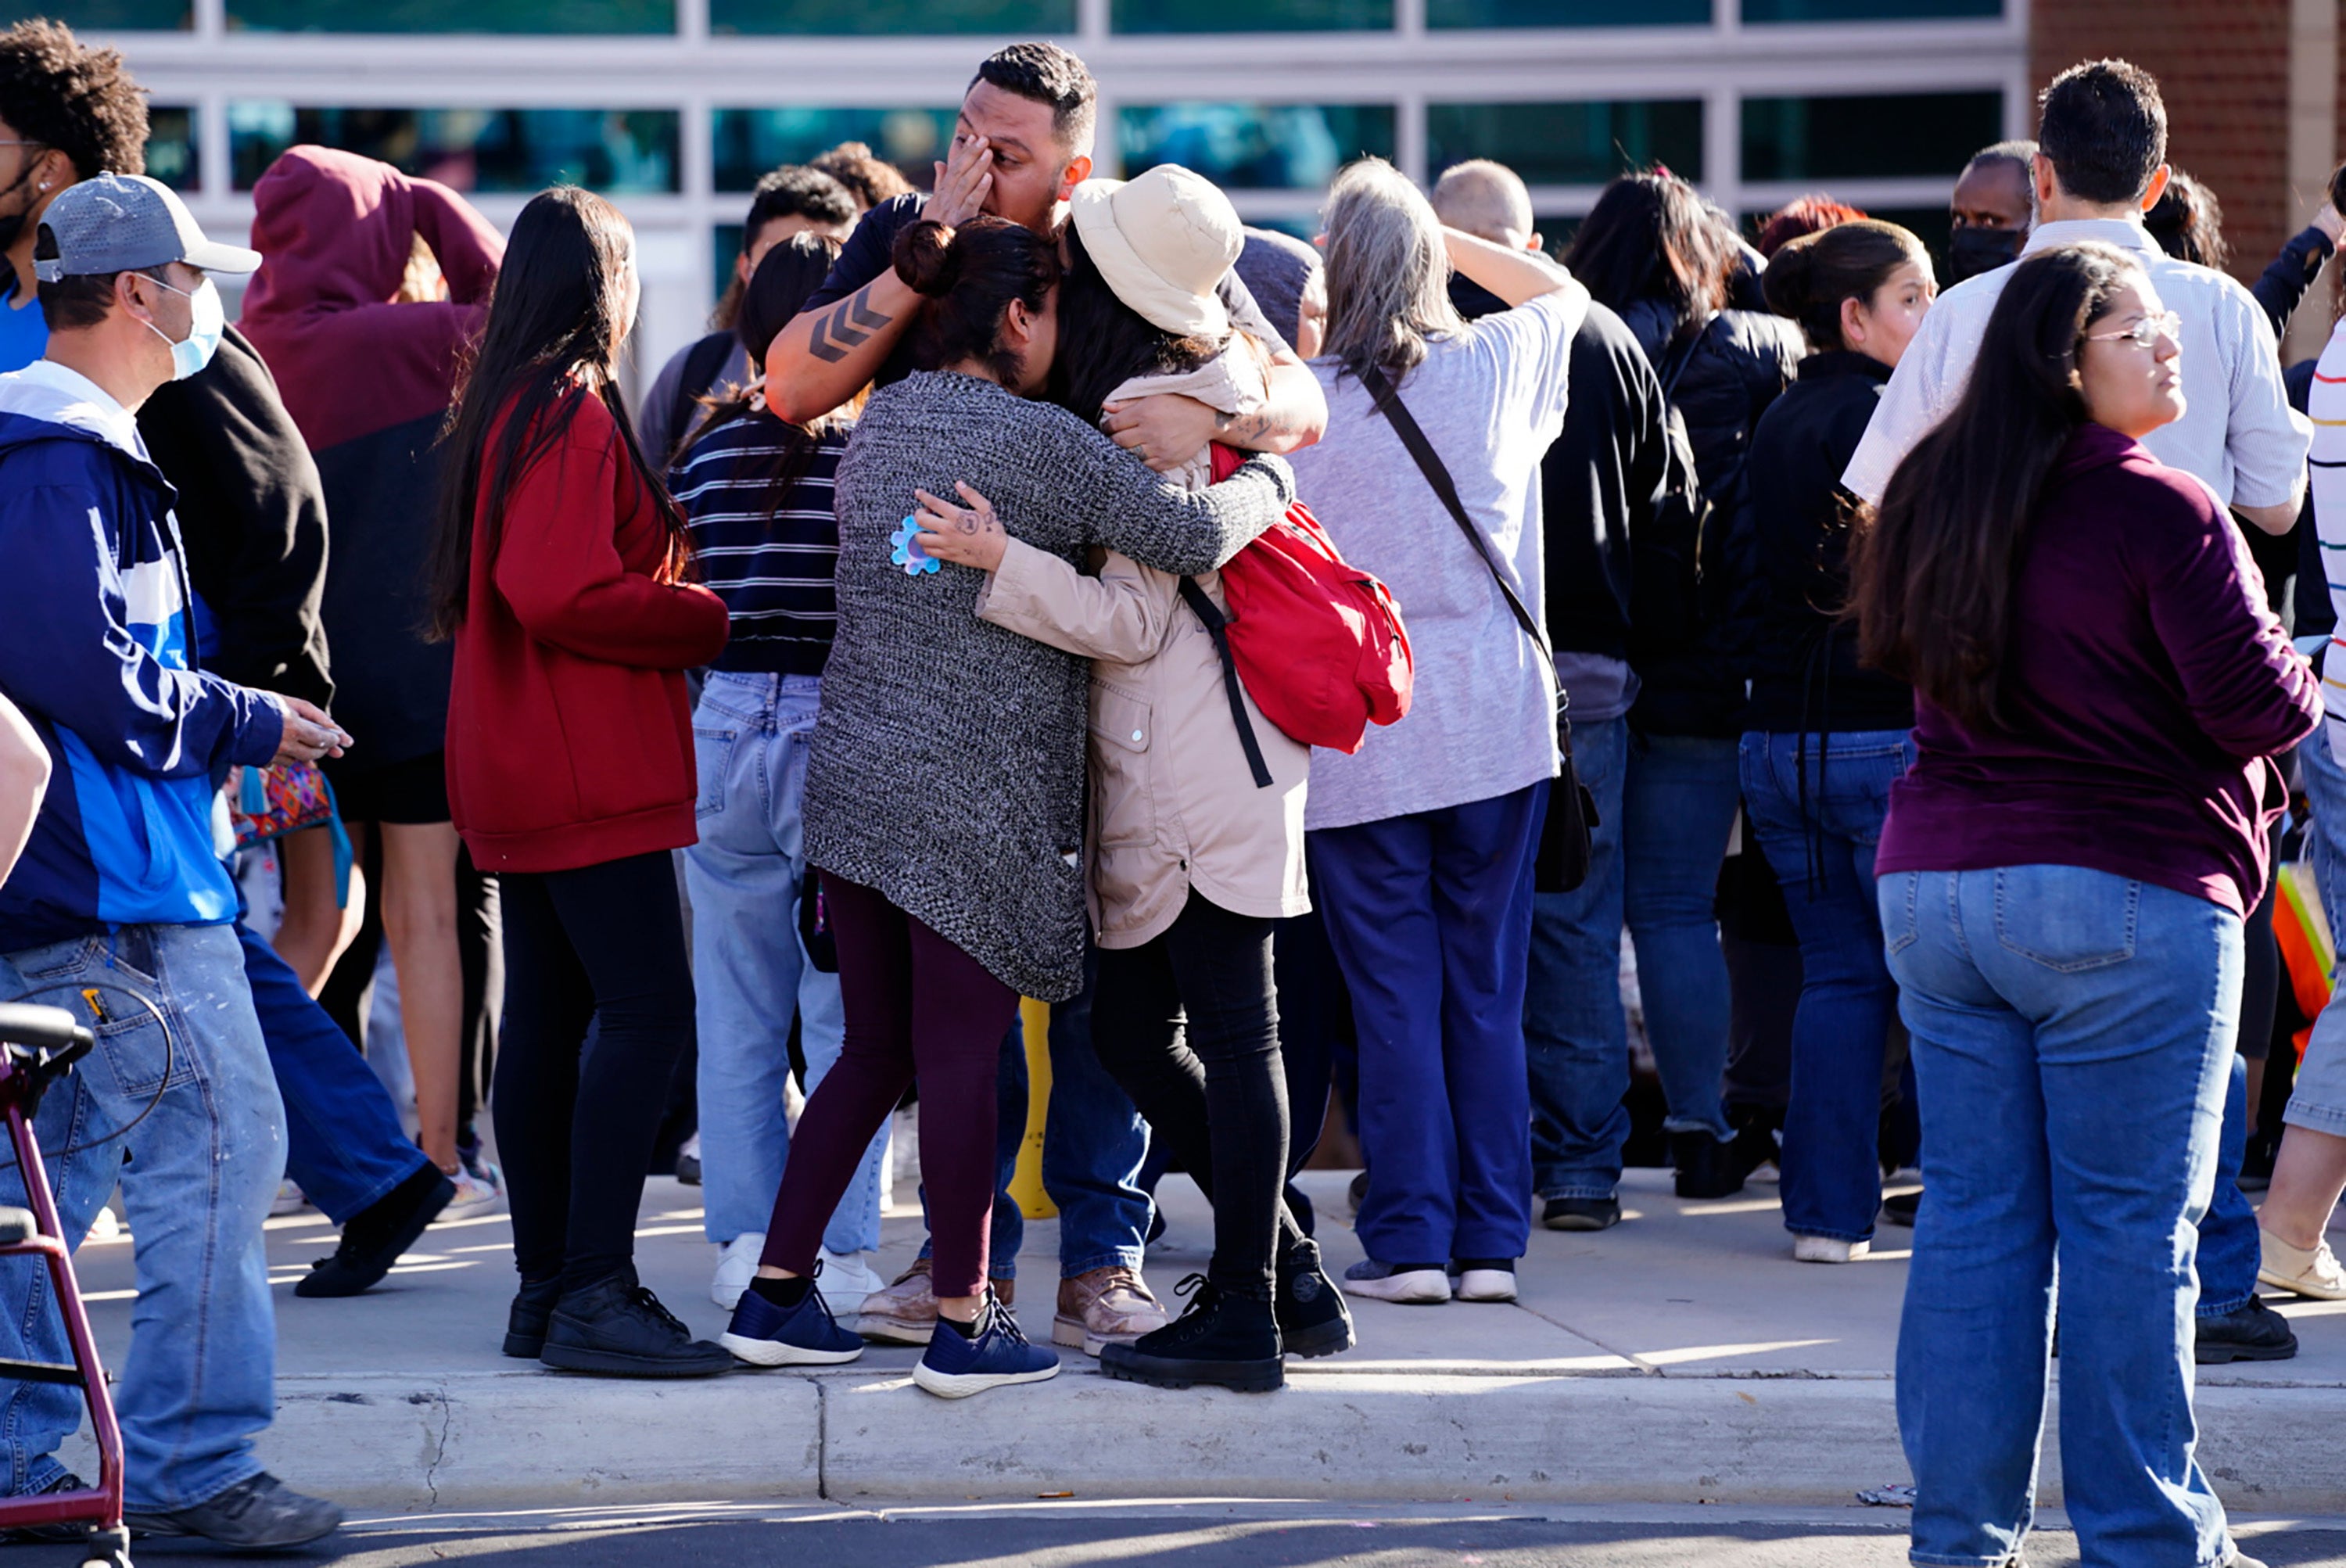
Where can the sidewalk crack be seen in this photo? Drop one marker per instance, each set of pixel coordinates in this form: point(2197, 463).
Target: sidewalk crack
point(821, 1439)
point(1648, 1367)
point(439, 1448)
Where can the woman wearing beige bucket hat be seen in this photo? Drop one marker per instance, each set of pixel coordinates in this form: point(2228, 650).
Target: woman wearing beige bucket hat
point(1190, 862)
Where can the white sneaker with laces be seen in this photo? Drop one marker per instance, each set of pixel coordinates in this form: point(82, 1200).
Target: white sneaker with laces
point(845, 1281)
point(737, 1265)
point(1827, 1249)
point(473, 1196)
point(289, 1200)
point(2293, 1268)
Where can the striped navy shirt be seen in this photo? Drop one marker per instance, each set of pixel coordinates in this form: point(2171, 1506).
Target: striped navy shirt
point(771, 564)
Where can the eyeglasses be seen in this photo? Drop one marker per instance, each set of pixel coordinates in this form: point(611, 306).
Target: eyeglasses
point(2145, 333)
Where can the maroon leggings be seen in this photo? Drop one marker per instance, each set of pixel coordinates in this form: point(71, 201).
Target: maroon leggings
point(917, 1007)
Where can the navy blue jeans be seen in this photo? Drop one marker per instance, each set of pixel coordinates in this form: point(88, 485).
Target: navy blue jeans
point(344, 1146)
point(1431, 918)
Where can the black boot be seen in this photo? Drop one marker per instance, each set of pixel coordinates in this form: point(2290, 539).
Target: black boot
point(533, 1305)
point(1229, 1342)
point(1313, 1318)
point(376, 1236)
point(619, 1328)
point(1707, 1166)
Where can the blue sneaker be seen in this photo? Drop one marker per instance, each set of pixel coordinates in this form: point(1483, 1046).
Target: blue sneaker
point(953, 1368)
point(806, 1335)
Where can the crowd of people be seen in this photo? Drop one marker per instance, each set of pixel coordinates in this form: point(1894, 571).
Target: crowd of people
point(1298, 664)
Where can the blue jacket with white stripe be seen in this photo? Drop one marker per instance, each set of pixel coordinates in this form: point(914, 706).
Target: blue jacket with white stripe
point(95, 647)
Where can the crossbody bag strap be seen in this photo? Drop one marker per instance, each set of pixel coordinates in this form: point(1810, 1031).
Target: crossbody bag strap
point(1218, 626)
point(1437, 474)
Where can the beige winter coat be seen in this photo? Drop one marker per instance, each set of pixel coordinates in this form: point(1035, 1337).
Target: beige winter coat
point(1173, 802)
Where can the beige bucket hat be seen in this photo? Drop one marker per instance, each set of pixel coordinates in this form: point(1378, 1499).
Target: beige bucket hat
point(1162, 241)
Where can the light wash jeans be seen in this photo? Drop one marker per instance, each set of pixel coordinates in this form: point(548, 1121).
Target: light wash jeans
point(201, 1167)
point(2318, 1102)
point(2073, 1034)
point(750, 738)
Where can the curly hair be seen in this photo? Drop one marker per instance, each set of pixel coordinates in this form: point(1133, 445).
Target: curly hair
point(59, 92)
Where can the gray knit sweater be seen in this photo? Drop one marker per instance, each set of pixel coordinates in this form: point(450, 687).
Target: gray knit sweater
point(947, 769)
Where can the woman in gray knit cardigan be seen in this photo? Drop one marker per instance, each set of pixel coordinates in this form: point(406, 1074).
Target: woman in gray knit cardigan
point(945, 787)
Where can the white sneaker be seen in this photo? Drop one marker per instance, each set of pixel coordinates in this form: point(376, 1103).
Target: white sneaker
point(845, 1281)
point(289, 1200)
point(2293, 1268)
point(473, 1196)
point(737, 1265)
point(1380, 1282)
point(1486, 1285)
point(1827, 1249)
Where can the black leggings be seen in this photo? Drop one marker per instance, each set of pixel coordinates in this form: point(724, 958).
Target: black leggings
point(601, 945)
point(1220, 1097)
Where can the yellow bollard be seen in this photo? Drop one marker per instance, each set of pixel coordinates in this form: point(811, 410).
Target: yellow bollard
point(1027, 1181)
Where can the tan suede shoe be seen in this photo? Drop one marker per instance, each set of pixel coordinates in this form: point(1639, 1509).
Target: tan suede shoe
point(905, 1313)
point(1106, 1305)
point(2293, 1268)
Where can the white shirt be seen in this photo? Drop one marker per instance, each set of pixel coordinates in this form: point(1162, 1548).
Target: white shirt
point(48, 390)
point(2237, 432)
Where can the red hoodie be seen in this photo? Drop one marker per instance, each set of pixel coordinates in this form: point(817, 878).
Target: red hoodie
point(569, 739)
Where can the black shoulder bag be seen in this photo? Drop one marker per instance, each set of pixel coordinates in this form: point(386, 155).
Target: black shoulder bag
point(1565, 840)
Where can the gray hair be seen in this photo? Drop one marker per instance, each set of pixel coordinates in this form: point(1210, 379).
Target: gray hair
point(1388, 271)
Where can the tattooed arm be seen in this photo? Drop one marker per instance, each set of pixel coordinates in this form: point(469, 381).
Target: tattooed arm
point(828, 353)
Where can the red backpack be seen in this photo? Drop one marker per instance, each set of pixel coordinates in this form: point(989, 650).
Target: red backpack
point(1318, 643)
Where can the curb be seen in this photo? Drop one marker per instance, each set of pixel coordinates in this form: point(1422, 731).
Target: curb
point(487, 1439)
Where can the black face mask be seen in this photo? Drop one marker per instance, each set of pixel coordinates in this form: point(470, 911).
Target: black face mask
point(12, 224)
point(1971, 251)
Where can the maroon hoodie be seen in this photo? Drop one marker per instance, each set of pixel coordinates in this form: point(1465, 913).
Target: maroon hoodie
point(2149, 687)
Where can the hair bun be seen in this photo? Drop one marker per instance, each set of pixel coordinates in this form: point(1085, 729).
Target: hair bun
point(926, 258)
point(1785, 282)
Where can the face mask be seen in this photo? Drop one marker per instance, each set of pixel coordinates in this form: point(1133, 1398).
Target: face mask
point(12, 225)
point(206, 319)
point(1971, 251)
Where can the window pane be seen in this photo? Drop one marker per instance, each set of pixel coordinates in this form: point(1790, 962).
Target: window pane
point(1255, 147)
point(748, 142)
point(1249, 16)
point(1568, 13)
point(1568, 144)
point(891, 16)
point(453, 15)
point(1869, 136)
point(1866, 10)
point(625, 152)
point(171, 146)
point(105, 15)
point(725, 249)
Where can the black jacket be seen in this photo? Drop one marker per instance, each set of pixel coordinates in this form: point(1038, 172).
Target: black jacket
point(252, 519)
point(1805, 674)
point(1718, 383)
point(2290, 274)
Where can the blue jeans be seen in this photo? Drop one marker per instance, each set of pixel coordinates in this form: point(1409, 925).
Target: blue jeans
point(2318, 1102)
point(1822, 851)
point(1677, 815)
point(201, 1167)
point(1431, 916)
point(750, 738)
point(344, 1145)
point(2072, 1032)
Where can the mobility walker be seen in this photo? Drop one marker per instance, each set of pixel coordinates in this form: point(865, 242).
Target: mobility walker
point(38, 1045)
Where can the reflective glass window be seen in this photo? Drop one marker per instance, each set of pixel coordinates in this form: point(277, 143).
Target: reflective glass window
point(1568, 13)
point(1867, 10)
point(625, 152)
point(453, 15)
point(171, 146)
point(110, 15)
point(1255, 147)
point(1868, 136)
point(1249, 16)
point(1568, 144)
point(1014, 17)
point(748, 142)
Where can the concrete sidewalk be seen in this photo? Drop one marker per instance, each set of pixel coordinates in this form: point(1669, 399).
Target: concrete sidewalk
point(1681, 1358)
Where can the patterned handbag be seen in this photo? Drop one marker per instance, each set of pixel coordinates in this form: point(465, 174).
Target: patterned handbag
point(270, 803)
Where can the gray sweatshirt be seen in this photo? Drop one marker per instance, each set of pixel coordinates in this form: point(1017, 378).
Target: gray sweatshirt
point(947, 768)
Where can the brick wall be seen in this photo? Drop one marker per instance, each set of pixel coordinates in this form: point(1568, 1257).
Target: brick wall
point(2223, 67)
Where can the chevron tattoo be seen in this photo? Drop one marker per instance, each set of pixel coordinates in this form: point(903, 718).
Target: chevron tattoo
point(846, 327)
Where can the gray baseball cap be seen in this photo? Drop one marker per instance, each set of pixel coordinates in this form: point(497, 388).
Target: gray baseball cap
point(120, 222)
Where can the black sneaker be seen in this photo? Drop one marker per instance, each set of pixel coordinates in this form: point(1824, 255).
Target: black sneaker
point(1313, 1318)
point(618, 1329)
point(1357, 1194)
point(1706, 1165)
point(1229, 1342)
point(1900, 1208)
point(258, 1514)
point(67, 1532)
point(533, 1307)
point(688, 1169)
point(376, 1236)
point(2251, 1333)
point(1581, 1213)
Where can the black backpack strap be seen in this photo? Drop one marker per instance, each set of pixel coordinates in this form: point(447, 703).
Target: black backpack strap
point(1218, 627)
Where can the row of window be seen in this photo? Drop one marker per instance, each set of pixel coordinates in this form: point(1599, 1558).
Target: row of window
point(888, 17)
point(1243, 146)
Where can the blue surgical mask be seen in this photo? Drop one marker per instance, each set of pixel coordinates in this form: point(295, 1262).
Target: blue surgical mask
point(206, 319)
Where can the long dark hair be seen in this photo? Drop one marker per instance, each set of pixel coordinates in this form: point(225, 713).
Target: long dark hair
point(969, 276)
point(1811, 276)
point(1650, 237)
point(790, 272)
point(1933, 573)
point(1104, 342)
point(553, 328)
